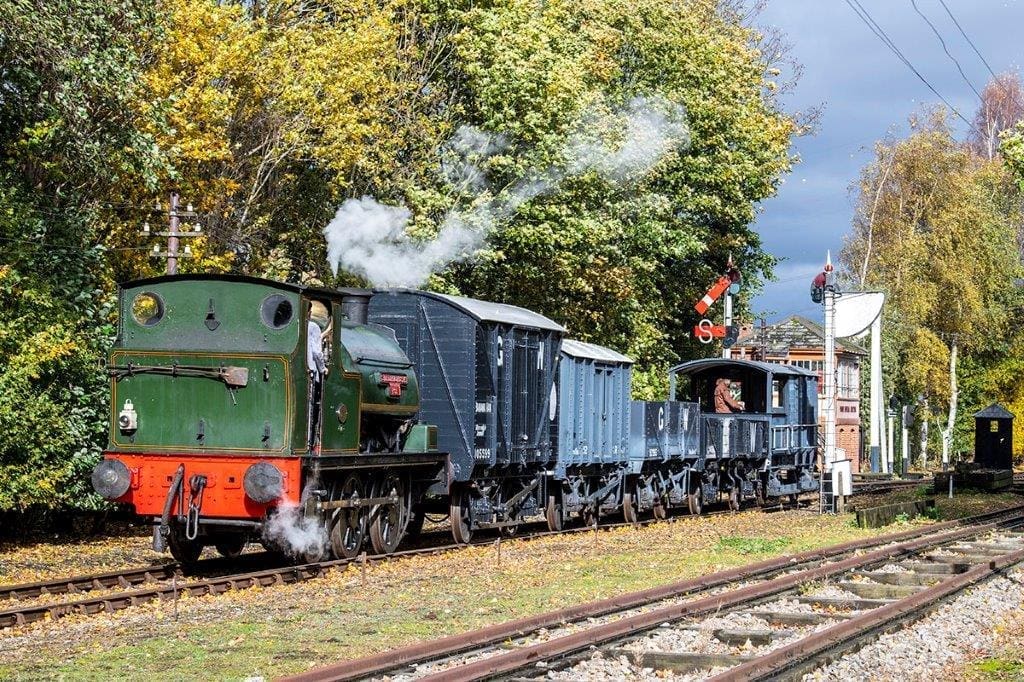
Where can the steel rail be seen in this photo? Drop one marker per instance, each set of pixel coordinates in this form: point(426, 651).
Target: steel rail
point(92, 581)
point(127, 577)
point(517, 659)
point(23, 614)
point(807, 651)
point(388, 661)
point(141, 575)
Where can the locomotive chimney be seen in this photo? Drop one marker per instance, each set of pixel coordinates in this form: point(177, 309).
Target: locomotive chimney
point(355, 304)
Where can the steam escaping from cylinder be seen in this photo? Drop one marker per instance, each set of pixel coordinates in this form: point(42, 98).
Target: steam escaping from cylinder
point(618, 144)
point(294, 533)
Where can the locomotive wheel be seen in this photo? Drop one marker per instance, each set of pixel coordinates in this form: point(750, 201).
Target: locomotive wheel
point(461, 517)
point(348, 526)
point(230, 547)
point(387, 527)
point(696, 501)
point(184, 551)
point(734, 498)
point(553, 512)
point(631, 504)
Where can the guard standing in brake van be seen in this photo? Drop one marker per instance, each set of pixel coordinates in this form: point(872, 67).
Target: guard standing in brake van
point(724, 402)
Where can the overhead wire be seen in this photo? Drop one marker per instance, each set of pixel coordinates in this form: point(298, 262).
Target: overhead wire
point(864, 15)
point(75, 249)
point(968, 39)
point(945, 48)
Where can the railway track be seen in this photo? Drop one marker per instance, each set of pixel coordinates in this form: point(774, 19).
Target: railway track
point(868, 487)
point(129, 577)
point(212, 576)
point(800, 619)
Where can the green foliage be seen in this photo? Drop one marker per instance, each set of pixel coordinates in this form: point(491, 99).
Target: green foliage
point(1012, 149)
point(69, 133)
point(620, 264)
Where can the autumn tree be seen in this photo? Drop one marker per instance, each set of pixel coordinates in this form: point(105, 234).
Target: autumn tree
point(935, 228)
point(267, 115)
point(620, 262)
point(1002, 106)
point(279, 111)
point(270, 113)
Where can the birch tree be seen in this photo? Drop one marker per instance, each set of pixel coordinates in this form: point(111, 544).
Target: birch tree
point(934, 230)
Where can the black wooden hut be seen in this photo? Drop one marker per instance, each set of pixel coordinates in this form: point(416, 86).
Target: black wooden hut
point(993, 438)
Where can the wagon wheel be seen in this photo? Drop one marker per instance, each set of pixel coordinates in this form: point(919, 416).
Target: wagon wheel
point(388, 521)
point(695, 500)
point(631, 504)
point(183, 550)
point(461, 516)
point(348, 525)
point(734, 498)
point(553, 511)
point(230, 547)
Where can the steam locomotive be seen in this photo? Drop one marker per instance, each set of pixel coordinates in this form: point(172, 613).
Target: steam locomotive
point(241, 405)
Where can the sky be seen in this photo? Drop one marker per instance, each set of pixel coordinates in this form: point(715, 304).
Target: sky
point(864, 92)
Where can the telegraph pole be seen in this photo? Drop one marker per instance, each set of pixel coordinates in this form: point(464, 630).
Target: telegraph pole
point(172, 236)
point(905, 423)
point(174, 233)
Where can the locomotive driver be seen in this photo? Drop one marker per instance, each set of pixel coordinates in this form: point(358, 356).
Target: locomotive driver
point(317, 331)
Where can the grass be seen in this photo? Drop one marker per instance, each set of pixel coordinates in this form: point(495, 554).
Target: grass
point(291, 628)
point(753, 545)
point(997, 669)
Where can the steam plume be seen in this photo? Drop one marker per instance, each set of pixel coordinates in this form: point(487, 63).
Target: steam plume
point(370, 239)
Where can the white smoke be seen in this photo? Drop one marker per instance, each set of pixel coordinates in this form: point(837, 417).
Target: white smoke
point(371, 239)
point(294, 533)
point(643, 133)
point(465, 154)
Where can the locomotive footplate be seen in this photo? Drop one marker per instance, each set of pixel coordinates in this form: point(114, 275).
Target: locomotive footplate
point(376, 460)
